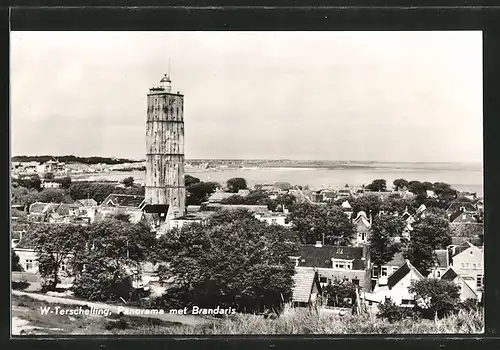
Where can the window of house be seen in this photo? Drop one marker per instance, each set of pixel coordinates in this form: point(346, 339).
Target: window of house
point(479, 281)
point(342, 265)
point(474, 266)
point(407, 302)
point(467, 265)
point(462, 265)
point(322, 280)
point(29, 264)
point(374, 272)
point(355, 281)
point(384, 272)
point(478, 265)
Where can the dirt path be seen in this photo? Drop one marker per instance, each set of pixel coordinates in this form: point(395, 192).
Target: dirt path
point(184, 319)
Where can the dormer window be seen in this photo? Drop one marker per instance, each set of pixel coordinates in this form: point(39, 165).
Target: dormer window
point(341, 264)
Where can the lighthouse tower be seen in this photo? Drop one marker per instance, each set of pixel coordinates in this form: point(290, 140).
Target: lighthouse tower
point(165, 191)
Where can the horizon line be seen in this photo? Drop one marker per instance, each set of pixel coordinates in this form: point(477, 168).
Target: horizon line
point(261, 159)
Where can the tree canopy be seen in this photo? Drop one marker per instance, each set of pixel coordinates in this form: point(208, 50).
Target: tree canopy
point(234, 260)
point(236, 183)
point(435, 297)
point(429, 233)
point(128, 181)
point(314, 222)
point(382, 244)
point(400, 184)
point(378, 185)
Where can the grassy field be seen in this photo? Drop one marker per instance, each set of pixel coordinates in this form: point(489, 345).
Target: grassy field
point(28, 318)
point(292, 321)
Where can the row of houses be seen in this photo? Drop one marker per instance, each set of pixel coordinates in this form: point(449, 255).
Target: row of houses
point(317, 266)
point(50, 166)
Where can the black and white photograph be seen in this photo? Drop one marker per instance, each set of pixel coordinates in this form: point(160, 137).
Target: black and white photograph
point(246, 182)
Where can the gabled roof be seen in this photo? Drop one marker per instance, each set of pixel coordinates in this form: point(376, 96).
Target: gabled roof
point(461, 240)
point(90, 202)
point(462, 217)
point(193, 208)
point(362, 218)
point(219, 195)
point(63, 208)
point(37, 208)
point(449, 274)
point(464, 246)
point(345, 205)
point(322, 256)
point(122, 200)
point(456, 205)
point(400, 273)
point(303, 285)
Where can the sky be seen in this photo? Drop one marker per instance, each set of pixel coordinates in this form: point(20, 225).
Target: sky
point(377, 96)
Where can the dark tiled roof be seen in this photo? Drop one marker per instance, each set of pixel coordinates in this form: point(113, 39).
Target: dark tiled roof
point(398, 275)
point(449, 275)
point(461, 240)
point(122, 200)
point(456, 217)
point(456, 205)
point(322, 256)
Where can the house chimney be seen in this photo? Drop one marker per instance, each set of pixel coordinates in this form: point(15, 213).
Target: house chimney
point(318, 244)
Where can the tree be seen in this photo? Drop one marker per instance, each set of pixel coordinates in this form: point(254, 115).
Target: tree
point(15, 265)
point(444, 192)
point(399, 184)
point(53, 195)
point(430, 233)
point(396, 204)
point(65, 182)
point(55, 245)
point(340, 293)
point(190, 180)
point(370, 204)
point(379, 185)
point(32, 182)
point(382, 244)
point(325, 223)
point(416, 187)
point(103, 279)
point(128, 181)
point(236, 183)
point(427, 185)
point(199, 192)
point(233, 261)
point(114, 250)
point(97, 191)
point(284, 186)
point(48, 176)
point(435, 297)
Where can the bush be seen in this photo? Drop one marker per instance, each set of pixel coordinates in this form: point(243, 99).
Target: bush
point(102, 280)
point(393, 313)
point(120, 324)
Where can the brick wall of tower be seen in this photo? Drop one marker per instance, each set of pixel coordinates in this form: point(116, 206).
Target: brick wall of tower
point(165, 150)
